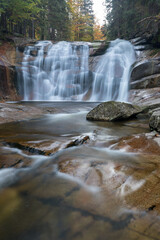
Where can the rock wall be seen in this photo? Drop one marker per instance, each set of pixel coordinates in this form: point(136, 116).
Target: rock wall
point(8, 62)
point(8, 90)
point(146, 74)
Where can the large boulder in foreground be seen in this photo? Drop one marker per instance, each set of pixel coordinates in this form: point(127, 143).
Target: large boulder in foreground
point(113, 111)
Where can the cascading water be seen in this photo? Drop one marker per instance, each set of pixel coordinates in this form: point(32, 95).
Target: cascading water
point(60, 71)
point(111, 78)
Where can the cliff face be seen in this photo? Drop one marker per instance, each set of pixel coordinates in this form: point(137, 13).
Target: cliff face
point(8, 89)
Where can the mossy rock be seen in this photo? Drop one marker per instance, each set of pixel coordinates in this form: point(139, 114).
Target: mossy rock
point(113, 111)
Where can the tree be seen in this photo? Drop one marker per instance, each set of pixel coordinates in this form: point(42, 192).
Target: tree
point(98, 33)
point(48, 19)
point(14, 13)
point(123, 15)
point(58, 20)
point(81, 20)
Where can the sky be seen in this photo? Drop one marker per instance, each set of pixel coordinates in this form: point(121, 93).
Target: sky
point(99, 10)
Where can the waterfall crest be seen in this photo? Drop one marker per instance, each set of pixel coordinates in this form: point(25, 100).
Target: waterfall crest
point(111, 79)
point(56, 72)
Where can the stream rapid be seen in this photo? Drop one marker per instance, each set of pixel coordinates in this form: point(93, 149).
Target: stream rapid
point(74, 193)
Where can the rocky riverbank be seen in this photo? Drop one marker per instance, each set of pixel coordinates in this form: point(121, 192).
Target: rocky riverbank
point(12, 112)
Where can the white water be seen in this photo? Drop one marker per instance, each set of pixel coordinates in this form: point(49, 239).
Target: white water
point(111, 79)
point(61, 72)
point(58, 72)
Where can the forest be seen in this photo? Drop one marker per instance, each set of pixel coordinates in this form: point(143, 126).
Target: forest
point(49, 19)
point(74, 19)
point(124, 16)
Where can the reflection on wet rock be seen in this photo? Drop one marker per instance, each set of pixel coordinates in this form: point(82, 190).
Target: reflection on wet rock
point(104, 185)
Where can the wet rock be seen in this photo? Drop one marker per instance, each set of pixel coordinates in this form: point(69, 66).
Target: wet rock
point(12, 159)
point(15, 112)
point(8, 76)
point(7, 84)
point(154, 121)
point(79, 141)
point(43, 148)
point(113, 111)
point(34, 53)
point(148, 99)
point(146, 74)
point(98, 50)
point(148, 143)
point(145, 68)
point(25, 148)
point(146, 82)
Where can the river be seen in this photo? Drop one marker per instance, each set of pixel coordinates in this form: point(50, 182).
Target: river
point(90, 191)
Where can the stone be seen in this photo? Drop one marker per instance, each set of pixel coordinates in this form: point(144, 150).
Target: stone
point(148, 143)
point(113, 111)
point(8, 83)
point(77, 142)
point(144, 69)
point(154, 121)
point(151, 81)
point(147, 98)
point(34, 53)
point(10, 112)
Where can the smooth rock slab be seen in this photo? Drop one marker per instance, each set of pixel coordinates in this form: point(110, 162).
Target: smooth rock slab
point(113, 111)
point(145, 68)
point(151, 81)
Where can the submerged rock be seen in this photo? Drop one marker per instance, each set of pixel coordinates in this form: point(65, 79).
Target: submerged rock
point(113, 111)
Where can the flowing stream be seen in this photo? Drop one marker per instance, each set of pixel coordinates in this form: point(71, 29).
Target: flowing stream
point(75, 193)
point(61, 71)
point(67, 180)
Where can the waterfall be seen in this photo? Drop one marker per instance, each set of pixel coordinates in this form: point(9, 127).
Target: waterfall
point(111, 79)
point(56, 72)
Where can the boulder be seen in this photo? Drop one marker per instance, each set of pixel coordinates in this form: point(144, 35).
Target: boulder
point(113, 111)
point(154, 121)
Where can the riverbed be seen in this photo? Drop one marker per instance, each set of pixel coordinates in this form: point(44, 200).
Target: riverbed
point(97, 189)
